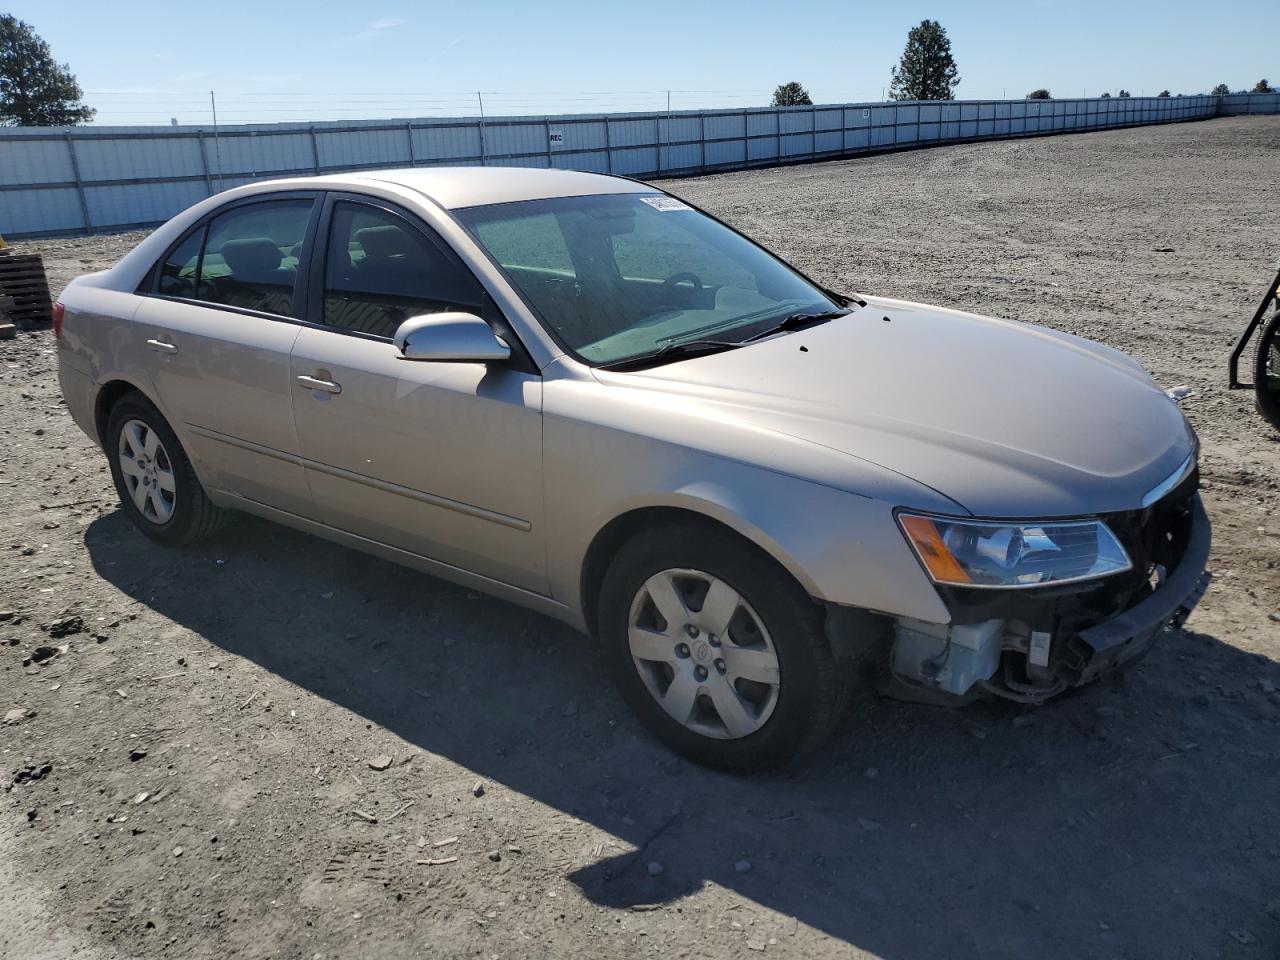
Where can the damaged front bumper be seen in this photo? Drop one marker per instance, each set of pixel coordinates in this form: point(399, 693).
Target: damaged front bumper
point(1031, 645)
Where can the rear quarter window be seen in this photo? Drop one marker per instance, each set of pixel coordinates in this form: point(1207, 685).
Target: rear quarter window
point(179, 271)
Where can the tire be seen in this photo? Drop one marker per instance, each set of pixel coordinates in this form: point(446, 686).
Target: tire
point(173, 517)
point(738, 718)
point(1269, 356)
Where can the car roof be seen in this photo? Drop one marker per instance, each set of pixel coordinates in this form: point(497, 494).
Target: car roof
point(455, 187)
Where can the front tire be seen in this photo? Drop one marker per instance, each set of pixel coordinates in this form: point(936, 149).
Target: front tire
point(717, 649)
point(158, 488)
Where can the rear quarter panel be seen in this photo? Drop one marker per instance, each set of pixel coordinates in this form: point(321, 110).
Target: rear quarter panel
point(99, 344)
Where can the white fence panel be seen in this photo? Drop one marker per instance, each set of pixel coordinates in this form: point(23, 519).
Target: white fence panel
point(82, 179)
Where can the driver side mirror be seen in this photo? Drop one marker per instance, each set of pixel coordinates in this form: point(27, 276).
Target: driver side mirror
point(450, 337)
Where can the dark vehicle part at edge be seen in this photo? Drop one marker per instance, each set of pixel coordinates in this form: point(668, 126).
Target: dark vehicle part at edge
point(1269, 340)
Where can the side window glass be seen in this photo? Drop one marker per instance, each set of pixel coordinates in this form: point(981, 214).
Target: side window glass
point(251, 256)
point(178, 272)
point(380, 271)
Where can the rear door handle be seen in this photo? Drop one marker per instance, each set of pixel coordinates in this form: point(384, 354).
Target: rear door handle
point(314, 383)
point(160, 346)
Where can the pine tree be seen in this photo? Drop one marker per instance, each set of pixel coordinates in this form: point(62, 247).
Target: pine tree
point(927, 71)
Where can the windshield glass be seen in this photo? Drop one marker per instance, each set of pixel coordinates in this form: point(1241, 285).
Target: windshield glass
point(619, 276)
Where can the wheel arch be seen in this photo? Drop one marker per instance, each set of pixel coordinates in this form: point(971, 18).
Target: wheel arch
point(112, 390)
point(709, 514)
point(109, 394)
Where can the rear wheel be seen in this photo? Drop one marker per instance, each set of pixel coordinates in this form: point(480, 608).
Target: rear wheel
point(1266, 374)
point(157, 486)
point(718, 650)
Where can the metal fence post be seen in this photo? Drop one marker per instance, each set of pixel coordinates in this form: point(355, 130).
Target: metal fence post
point(608, 148)
point(546, 124)
point(657, 138)
point(408, 134)
point(204, 162)
point(315, 151)
point(75, 171)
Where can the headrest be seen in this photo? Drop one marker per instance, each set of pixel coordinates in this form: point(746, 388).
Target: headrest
point(252, 255)
point(384, 241)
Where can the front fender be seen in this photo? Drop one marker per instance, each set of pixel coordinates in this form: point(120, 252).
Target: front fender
point(843, 548)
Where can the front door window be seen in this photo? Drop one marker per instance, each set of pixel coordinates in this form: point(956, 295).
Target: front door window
point(380, 271)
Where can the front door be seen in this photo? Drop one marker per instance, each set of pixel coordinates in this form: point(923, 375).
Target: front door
point(443, 460)
point(218, 327)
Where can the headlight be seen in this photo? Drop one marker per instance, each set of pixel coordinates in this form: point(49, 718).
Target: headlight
point(978, 553)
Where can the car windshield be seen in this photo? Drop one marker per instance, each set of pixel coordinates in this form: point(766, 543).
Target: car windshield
point(622, 276)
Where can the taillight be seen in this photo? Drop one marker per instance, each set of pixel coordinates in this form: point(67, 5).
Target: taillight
point(58, 311)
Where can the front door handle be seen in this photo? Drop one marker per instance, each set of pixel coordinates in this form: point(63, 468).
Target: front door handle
point(315, 383)
point(160, 346)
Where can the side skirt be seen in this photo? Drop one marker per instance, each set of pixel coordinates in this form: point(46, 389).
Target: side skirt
point(503, 591)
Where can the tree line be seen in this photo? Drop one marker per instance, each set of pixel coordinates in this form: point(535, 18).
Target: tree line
point(927, 71)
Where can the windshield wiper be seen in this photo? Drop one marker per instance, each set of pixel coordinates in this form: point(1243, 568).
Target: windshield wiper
point(797, 321)
point(692, 348)
point(672, 351)
point(844, 299)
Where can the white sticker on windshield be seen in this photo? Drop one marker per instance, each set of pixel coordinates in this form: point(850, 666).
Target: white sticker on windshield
point(665, 204)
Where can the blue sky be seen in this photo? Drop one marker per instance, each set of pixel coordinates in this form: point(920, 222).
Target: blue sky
point(145, 62)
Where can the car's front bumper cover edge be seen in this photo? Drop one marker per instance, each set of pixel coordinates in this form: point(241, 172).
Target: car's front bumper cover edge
point(1172, 601)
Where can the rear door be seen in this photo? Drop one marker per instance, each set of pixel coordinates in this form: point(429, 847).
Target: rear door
point(443, 460)
point(217, 327)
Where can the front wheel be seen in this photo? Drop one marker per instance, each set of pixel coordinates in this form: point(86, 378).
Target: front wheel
point(718, 650)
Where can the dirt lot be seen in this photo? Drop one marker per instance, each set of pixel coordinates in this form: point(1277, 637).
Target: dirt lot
point(208, 733)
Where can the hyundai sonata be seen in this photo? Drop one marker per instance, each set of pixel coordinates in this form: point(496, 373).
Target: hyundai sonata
point(584, 395)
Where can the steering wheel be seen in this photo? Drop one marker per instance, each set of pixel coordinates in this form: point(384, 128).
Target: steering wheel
point(682, 277)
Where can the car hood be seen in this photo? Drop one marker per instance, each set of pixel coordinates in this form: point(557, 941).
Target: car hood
point(1004, 418)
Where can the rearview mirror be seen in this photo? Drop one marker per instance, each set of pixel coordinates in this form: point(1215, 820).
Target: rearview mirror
point(454, 337)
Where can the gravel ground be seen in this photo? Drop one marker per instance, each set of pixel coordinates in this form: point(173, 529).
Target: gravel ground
point(196, 779)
